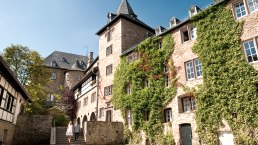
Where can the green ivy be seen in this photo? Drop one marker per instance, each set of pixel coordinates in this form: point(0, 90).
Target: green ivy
point(152, 99)
point(228, 91)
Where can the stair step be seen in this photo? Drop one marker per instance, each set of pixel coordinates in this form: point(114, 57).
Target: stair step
point(61, 138)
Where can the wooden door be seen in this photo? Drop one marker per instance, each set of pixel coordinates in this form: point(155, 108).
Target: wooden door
point(109, 115)
point(186, 134)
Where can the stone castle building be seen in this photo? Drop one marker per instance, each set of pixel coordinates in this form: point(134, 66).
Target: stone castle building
point(120, 36)
point(13, 97)
point(66, 70)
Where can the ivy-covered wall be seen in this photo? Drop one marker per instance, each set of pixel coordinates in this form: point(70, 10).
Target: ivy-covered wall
point(149, 67)
point(228, 91)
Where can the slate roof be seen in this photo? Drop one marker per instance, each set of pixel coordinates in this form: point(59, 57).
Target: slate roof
point(125, 8)
point(66, 61)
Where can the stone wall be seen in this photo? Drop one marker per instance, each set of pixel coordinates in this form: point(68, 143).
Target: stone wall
point(104, 133)
point(9, 127)
point(54, 85)
point(74, 77)
point(32, 130)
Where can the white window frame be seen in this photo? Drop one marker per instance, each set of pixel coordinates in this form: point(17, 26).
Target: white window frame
point(188, 104)
point(235, 9)
point(53, 76)
point(195, 69)
point(198, 68)
point(193, 32)
point(251, 53)
point(101, 112)
point(254, 5)
point(168, 115)
point(189, 70)
point(129, 117)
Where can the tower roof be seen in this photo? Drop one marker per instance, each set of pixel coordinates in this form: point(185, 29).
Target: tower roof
point(124, 11)
point(125, 8)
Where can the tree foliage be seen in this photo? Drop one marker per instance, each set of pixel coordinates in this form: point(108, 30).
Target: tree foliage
point(69, 102)
point(60, 118)
point(228, 91)
point(149, 67)
point(27, 65)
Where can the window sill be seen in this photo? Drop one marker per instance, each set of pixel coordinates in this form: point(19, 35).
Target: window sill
point(199, 78)
point(109, 74)
point(188, 112)
point(254, 62)
point(253, 11)
point(189, 80)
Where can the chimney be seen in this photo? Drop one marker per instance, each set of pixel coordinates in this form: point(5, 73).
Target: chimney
point(173, 22)
point(159, 30)
point(194, 10)
point(90, 59)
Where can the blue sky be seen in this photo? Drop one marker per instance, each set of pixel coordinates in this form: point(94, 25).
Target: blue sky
point(70, 25)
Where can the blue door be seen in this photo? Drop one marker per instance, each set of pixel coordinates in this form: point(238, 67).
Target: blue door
point(186, 134)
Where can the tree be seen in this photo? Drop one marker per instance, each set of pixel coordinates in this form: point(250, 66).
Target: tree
point(69, 102)
point(28, 66)
point(17, 58)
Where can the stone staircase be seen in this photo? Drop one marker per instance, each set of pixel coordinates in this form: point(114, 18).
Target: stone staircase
point(61, 138)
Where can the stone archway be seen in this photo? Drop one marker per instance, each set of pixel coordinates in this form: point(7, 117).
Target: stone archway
point(84, 118)
point(78, 120)
point(92, 117)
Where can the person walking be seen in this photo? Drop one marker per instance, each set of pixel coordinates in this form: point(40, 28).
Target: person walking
point(76, 131)
point(69, 131)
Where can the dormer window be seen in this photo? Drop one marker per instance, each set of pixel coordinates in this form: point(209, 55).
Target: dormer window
point(63, 59)
point(146, 35)
point(173, 22)
point(159, 30)
point(81, 63)
point(54, 64)
point(194, 10)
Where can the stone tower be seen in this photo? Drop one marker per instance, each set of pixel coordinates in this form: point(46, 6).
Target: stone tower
point(122, 31)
